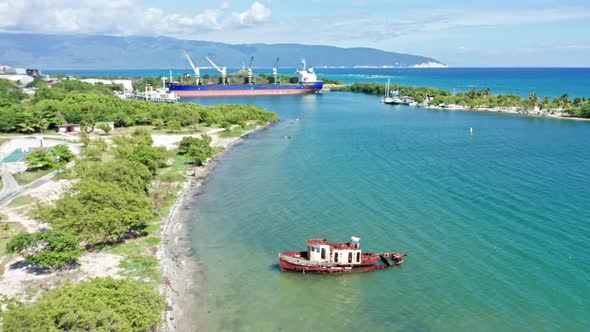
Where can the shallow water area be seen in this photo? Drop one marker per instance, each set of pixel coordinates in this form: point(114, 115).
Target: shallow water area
point(495, 224)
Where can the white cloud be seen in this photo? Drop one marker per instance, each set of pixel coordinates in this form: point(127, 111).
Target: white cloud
point(437, 23)
point(120, 17)
point(256, 14)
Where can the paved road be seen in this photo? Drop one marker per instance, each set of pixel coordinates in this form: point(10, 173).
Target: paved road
point(10, 188)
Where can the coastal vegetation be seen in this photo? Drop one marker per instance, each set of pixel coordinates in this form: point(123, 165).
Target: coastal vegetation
point(198, 150)
point(85, 104)
point(54, 157)
point(578, 107)
point(10, 94)
point(118, 192)
point(102, 304)
point(111, 198)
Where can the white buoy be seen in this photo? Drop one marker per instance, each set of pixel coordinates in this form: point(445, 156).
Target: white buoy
point(471, 131)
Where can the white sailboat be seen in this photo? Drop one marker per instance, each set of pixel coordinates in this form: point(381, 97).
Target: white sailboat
point(387, 98)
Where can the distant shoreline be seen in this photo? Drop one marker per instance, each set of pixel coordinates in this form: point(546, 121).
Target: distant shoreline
point(474, 100)
point(505, 110)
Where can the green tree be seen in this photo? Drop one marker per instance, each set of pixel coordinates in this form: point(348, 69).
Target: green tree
point(533, 100)
point(54, 157)
point(48, 249)
point(564, 101)
point(545, 103)
point(101, 304)
point(10, 94)
point(105, 127)
point(198, 154)
point(99, 212)
point(128, 175)
point(40, 159)
point(174, 126)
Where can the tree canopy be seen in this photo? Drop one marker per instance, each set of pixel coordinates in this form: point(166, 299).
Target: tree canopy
point(197, 149)
point(99, 211)
point(102, 304)
point(87, 104)
point(53, 157)
point(49, 249)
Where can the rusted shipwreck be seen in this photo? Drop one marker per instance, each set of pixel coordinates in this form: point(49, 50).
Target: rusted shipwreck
point(337, 257)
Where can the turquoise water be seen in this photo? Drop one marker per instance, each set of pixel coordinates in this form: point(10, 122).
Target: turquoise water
point(496, 225)
point(17, 155)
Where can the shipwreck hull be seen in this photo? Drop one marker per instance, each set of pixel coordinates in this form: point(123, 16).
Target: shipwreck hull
point(297, 262)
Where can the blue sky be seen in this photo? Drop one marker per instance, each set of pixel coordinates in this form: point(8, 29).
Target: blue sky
point(458, 33)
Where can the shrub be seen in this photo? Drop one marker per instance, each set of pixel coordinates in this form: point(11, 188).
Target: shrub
point(105, 127)
point(56, 156)
point(102, 304)
point(49, 249)
point(197, 149)
point(100, 212)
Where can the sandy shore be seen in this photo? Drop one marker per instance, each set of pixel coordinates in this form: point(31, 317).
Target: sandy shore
point(182, 278)
point(509, 110)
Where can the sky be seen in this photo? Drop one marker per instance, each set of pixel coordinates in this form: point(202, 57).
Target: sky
point(547, 33)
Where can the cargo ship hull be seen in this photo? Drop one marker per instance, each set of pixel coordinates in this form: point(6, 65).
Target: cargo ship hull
point(238, 90)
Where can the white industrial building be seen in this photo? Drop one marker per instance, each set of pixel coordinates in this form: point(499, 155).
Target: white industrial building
point(18, 75)
point(127, 84)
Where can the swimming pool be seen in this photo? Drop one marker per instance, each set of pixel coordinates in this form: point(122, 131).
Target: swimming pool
point(17, 155)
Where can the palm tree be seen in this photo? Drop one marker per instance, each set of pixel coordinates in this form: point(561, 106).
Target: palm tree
point(533, 100)
point(24, 127)
point(565, 101)
point(545, 103)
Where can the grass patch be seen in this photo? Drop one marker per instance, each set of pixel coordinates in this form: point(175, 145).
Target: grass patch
point(128, 130)
point(63, 175)
point(237, 131)
point(30, 176)
point(3, 140)
point(140, 261)
point(183, 130)
point(175, 170)
point(21, 201)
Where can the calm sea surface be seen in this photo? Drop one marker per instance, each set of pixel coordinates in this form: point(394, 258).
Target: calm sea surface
point(552, 82)
point(496, 225)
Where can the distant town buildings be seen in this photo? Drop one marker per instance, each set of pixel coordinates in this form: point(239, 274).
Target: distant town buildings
point(127, 84)
point(19, 75)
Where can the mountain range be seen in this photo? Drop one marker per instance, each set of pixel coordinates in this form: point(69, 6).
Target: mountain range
point(102, 52)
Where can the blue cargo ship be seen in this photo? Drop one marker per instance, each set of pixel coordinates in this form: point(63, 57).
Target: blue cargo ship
point(307, 83)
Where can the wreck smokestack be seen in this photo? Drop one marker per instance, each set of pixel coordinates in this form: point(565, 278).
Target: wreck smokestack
point(355, 241)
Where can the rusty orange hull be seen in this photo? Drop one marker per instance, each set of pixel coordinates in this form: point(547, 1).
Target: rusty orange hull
point(296, 261)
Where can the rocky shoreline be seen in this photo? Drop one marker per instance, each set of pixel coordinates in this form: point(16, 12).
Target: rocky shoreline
point(508, 110)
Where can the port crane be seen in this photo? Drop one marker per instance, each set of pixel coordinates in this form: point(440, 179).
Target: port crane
point(275, 72)
point(195, 69)
point(222, 71)
point(250, 78)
